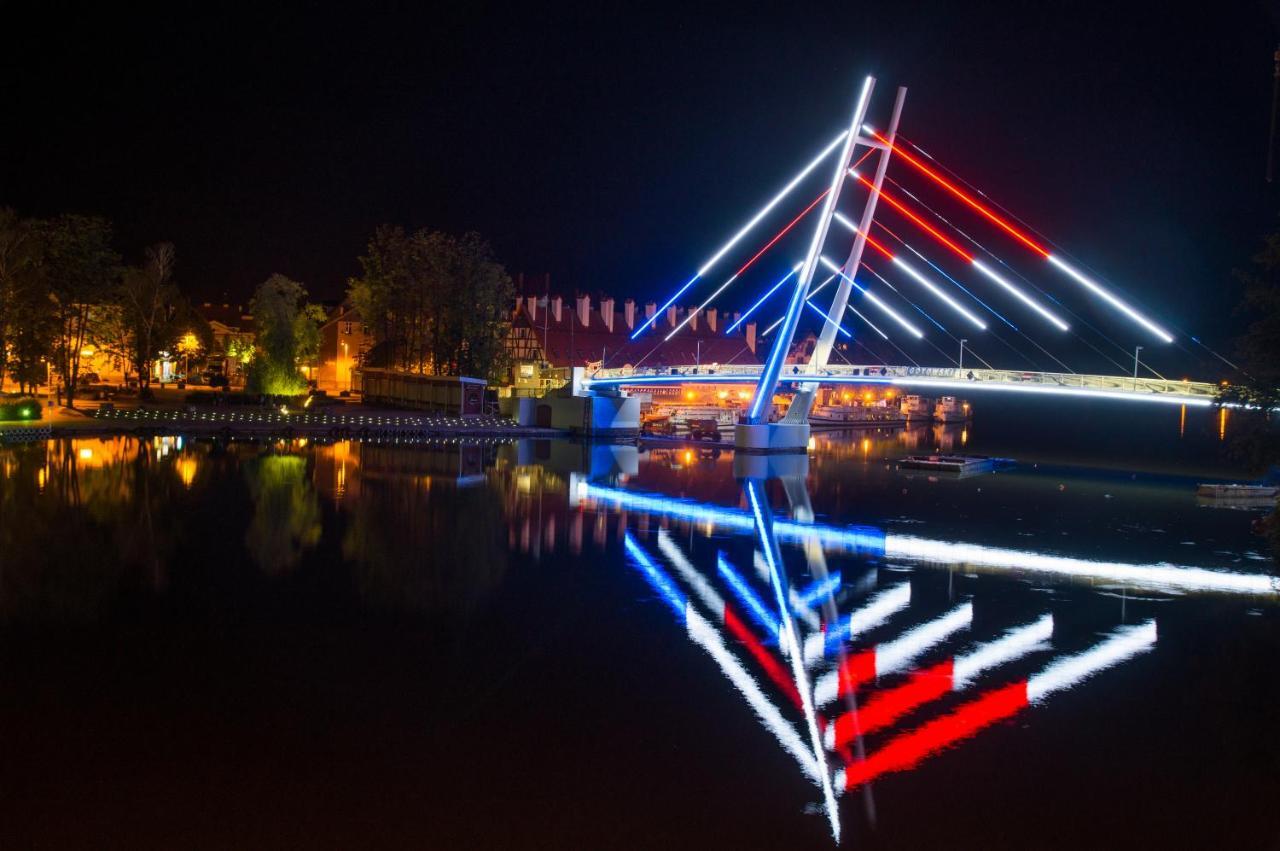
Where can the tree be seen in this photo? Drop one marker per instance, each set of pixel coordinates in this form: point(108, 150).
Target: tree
point(436, 303)
point(152, 308)
point(1257, 393)
point(26, 311)
point(288, 331)
point(81, 270)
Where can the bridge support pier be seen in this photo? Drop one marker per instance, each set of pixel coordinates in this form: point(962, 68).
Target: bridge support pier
point(771, 437)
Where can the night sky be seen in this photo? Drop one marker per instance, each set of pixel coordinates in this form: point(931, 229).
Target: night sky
point(616, 149)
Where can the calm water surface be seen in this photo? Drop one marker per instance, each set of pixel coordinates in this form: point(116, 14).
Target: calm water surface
point(549, 644)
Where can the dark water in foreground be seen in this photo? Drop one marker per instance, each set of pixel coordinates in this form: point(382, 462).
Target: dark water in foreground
point(544, 644)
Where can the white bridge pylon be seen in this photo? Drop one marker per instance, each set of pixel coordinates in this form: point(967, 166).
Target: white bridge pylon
point(755, 432)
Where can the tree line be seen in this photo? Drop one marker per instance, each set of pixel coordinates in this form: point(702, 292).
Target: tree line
point(63, 287)
point(435, 303)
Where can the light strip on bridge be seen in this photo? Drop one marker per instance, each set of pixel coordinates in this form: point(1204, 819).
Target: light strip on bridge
point(916, 276)
point(886, 309)
point(1054, 260)
point(755, 220)
point(1118, 394)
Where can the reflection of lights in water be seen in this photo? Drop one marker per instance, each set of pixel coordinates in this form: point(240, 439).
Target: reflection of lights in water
point(866, 446)
point(705, 634)
point(1182, 422)
point(886, 707)
point(688, 456)
point(964, 435)
point(876, 611)
point(186, 467)
point(813, 443)
point(909, 749)
point(42, 476)
point(1222, 424)
point(873, 541)
point(890, 656)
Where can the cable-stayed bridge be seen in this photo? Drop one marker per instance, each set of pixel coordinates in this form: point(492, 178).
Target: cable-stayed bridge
point(924, 278)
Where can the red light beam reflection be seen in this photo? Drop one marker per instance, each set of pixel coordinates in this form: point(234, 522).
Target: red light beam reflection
point(888, 706)
point(910, 749)
point(772, 667)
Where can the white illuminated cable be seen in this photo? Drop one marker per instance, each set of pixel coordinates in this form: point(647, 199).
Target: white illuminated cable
point(1119, 305)
point(1012, 645)
point(884, 308)
point(1125, 643)
point(755, 220)
point(931, 287)
point(778, 322)
point(921, 279)
point(866, 320)
point(1026, 299)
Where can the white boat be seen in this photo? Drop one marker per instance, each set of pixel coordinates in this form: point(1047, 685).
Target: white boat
point(1238, 492)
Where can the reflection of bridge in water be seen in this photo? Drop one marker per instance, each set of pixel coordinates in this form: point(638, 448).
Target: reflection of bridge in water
point(853, 674)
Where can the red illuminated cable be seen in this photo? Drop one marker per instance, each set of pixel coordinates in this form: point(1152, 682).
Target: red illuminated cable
point(966, 198)
point(912, 748)
point(888, 706)
point(921, 223)
point(793, 222)
point(781, 233)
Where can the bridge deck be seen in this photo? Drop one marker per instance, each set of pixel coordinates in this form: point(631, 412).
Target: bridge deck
point(948, 380)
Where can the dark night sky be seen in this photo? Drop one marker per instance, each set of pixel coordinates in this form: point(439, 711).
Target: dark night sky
point(616, 149)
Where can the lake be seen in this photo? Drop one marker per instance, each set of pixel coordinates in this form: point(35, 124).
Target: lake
point(481, 643)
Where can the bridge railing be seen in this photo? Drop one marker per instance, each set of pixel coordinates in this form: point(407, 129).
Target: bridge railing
point(880, 373)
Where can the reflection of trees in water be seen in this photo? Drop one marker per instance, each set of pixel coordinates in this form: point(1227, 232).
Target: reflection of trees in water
point(286, 514)
point(81, 523)
point(419, 544)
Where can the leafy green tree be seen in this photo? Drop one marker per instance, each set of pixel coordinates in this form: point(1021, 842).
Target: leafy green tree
point(81, 270)
point(436, 303)
point(287, 334)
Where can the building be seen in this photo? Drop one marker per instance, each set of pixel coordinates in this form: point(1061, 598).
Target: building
point(344, 342)
point(233, 335)
point(551, 332)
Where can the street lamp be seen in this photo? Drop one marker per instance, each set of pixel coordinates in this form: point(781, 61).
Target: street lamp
point(1136, 349)
point(962, 342)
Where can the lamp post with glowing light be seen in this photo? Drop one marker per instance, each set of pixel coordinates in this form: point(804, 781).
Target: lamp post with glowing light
point(962, 342)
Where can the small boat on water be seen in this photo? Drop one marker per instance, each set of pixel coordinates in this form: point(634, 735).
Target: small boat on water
point(1238, 493)
point(954, 463)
